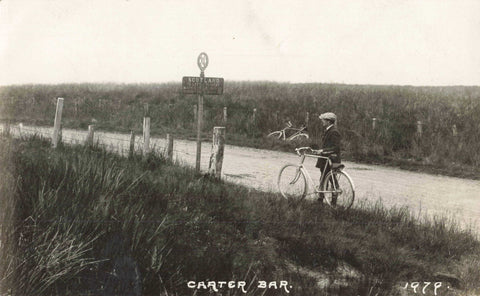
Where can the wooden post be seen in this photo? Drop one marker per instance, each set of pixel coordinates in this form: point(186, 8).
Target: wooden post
point(194, 114)
point(374, 123)
point(199, 124)
point(20, 129)
point(146, 112)
point(131, 151)
point(218, 147)
point(146, 135)
point(254, 116)
point(454, 130)
point(307, 118)
point(7, 127)
point(419, 128)
point(146, 130)
point(33, 104)
point(169, 147)
point(225, 115)
point(76, 109)
point(57, 122)
point(91, 132)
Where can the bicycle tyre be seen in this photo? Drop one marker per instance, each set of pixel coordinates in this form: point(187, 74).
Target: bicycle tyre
point(299, 137)
point(345, 190)
point(276, 135)
point(292, 182)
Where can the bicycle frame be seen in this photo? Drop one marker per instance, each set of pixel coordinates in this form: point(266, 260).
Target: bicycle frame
point(307, 174)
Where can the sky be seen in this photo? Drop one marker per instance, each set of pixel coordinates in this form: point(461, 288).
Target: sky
point(394, 42)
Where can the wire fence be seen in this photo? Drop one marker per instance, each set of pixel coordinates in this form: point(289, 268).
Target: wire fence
point(428, 137)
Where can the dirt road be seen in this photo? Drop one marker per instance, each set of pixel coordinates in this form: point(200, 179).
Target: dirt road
point(425, 195)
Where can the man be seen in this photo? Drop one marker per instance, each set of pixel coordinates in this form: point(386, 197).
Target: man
point(331, 143)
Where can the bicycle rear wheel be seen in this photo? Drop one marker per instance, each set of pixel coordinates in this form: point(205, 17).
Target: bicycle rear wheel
point(339, 189)
point(275, 135)
point(292, 183)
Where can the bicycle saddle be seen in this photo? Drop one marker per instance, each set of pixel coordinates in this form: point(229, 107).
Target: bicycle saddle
point(329, 153)
point(337, 166)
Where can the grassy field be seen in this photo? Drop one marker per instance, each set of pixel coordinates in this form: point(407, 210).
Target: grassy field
point(77, 221)
point(450, 116)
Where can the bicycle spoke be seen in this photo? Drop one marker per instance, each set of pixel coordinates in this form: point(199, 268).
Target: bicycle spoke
point(292, 182)
point(340, 191)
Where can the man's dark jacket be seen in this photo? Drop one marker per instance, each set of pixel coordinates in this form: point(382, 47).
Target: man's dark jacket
point(330, 143)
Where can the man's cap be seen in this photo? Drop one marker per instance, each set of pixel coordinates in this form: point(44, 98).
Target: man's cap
point(328, 116)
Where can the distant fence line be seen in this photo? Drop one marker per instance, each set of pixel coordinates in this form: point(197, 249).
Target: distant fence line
point(252, 116)
point(375, 121)
point(375, 135)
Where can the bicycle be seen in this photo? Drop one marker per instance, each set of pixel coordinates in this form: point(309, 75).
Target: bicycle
point(282, 134)
point(337, 187)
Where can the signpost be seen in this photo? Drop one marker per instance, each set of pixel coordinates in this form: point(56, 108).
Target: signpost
point(211, 86)
point(201, 86)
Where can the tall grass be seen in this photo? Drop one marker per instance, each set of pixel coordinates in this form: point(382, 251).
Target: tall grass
point(397, 109)
point(83, 221)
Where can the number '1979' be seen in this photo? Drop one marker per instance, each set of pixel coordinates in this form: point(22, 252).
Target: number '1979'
point(419, 287)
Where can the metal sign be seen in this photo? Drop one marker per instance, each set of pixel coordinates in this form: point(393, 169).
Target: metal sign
point(193, 85)
point(202, 61)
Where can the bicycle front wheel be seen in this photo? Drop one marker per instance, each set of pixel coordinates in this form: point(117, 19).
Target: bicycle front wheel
point(338, 188)
point(292, 183)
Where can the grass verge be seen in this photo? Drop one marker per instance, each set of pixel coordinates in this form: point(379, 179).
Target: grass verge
point(84, 221)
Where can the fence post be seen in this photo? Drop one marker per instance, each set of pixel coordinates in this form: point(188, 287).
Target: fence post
point(146, 130)
point(76, 109)
point(7, 127)
point(57, 122)
point(131, 151)
point(20, 129)
point(218, 147)
point(419, 128)
point(146, 135)
point(91, 132)
point(146, 112)
point(374, 123)
point(225, 115)
point(33, 104)
point(169, 147)
point(254, 116)
point(454, 130)
point(307, 118)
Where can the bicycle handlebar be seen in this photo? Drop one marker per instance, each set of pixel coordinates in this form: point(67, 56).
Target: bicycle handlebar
point(301, 149)
point(321, 154)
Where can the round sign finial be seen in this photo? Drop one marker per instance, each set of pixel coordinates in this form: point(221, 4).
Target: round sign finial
point(202, 61)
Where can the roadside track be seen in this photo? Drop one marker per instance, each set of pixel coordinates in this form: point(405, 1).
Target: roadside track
point(424, 194)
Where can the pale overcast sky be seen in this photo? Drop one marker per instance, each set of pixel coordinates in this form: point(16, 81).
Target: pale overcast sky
point(356, 42)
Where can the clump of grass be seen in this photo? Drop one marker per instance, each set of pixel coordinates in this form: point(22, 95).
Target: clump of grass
point(78, 220)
